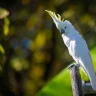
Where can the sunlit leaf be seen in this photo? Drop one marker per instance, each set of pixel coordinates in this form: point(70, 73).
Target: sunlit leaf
point(93, 54)
point(40, 40)
point(6, 26)
point(2, 56)
point(2, 49)
point(19, 64)
point(3, 13)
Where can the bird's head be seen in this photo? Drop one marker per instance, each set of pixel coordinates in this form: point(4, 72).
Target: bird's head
point(63, 26)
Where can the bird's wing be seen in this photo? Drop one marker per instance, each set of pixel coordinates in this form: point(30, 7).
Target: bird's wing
point(80, 50)
point(80, 53)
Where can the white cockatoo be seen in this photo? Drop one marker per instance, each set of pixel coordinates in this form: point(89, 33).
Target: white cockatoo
point(76, 45)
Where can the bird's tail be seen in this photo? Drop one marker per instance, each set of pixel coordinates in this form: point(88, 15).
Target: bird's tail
point(91, 74)
point(92, 78)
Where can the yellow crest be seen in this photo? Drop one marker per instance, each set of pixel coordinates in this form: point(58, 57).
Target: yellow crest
point(52, 14)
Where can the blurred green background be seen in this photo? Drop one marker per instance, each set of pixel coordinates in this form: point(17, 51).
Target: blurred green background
point(32, 51)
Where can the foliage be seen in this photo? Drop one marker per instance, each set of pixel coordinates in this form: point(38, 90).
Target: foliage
point(61, 84)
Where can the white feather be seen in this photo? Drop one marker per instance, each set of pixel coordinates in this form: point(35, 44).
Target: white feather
point(78, 49)
point(76, 45)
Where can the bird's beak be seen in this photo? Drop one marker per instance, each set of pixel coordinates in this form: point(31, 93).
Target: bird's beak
point(56, 18)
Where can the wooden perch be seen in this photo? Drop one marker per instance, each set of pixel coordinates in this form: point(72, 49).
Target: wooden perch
point(79, 87)
point(76, 80)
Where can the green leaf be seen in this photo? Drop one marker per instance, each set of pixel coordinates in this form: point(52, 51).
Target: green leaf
point(2, 49)
point(6, 26)
point(59, 86)
point(2, 57)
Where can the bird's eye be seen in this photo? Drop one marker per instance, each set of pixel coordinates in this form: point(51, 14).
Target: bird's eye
point(65, 27)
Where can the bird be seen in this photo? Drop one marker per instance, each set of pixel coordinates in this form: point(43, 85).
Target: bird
point(76, 45)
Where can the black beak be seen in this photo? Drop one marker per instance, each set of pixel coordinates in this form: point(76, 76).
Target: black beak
point(62, 31)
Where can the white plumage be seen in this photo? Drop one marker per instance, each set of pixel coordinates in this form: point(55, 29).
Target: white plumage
point(76, 45)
